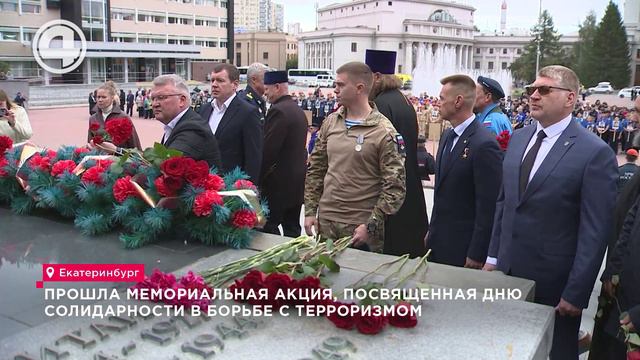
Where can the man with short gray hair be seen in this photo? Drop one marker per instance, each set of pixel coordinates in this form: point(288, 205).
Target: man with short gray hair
point(184, 129)
point(255, 88)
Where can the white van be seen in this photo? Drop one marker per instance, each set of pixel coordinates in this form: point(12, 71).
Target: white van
point(324, 80)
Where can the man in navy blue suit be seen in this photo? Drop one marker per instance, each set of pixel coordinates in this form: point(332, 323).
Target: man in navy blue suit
point(468, 175)
point(555, 209)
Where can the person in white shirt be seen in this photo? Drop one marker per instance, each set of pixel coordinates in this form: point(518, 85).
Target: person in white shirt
point(234, 122)
point(555, 210)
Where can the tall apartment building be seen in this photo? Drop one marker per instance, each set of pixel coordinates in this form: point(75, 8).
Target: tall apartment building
point(126, 41)
point(258, 15)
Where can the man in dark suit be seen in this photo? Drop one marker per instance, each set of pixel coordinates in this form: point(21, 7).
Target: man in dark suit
point(468, 173)
point(284, 159)
point(404, 231)
point(184, 129)
point(554, 212)
point(234, 122)
point(130, 100)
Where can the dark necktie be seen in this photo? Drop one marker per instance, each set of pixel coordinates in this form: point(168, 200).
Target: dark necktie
point(527, 163)
point(446, 153)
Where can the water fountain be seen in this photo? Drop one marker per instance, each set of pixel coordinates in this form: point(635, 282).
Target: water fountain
point(439, 61)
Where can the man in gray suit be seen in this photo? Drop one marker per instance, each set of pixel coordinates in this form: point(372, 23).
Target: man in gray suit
point(555, 209)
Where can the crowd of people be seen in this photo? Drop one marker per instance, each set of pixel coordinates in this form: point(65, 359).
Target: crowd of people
point(540, 208)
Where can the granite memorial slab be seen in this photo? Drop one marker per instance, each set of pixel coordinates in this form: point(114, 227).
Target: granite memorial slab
point(445, 330)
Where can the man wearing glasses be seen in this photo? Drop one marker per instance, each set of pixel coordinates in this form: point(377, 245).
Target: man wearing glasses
point(550, 225)
point(184, 129)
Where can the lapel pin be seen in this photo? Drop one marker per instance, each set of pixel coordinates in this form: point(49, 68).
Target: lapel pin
point(566, 143)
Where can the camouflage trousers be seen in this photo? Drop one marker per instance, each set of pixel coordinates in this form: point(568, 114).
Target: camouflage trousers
point(335, 230)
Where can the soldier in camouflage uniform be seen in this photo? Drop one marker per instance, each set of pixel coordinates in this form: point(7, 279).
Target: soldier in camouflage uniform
point(356, 175)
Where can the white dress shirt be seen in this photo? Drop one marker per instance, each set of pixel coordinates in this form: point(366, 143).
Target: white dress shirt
point(218, 113)
point(171, 125)
point(460, 129)
point(553, 133)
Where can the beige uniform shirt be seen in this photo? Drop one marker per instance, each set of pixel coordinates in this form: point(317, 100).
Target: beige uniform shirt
point(355, 175)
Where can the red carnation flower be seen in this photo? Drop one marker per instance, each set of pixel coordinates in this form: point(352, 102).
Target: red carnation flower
point(244, 184)
point(3, 162)
point(403, 321)
point(104, 163)
point(214, 182)
point(197, 173)
point(51, 154)
point(93, 175)
point(81, 150)
point(163, 189)
point(120, 130)
point(39, 162)
point(63, 166)
point(94, 126)
point(346, 321)
point(5, 144)
point(123, 189)
point(244, 218)
point(203, 204)
point(175, 166)
point(97, 139)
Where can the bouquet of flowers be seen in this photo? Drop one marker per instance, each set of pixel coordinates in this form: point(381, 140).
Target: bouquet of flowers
point(117, 131)
point(144, 193)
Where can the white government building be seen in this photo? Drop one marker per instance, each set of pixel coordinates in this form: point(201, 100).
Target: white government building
point(347, 29)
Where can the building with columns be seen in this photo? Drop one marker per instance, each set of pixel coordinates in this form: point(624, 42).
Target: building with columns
point(346, 30)
point(632, 24)
point(410, 27)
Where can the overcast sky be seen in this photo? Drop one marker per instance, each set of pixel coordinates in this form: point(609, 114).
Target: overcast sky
point(567, 14)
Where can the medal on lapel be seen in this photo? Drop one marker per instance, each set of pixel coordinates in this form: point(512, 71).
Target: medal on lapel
point(465, 151)
point(359, 142)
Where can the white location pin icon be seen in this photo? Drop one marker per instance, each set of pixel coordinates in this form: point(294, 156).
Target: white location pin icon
point(50, 272)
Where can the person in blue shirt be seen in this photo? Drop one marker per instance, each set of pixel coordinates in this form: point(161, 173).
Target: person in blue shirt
point(487, 106)
point(628, 129)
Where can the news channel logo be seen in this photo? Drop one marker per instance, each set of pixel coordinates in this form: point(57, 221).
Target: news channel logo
point(55, 40)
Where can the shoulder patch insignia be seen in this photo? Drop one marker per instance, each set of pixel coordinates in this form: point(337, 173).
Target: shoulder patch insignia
point(402, 149)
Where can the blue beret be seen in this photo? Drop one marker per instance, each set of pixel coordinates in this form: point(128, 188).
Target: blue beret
point(275, 77)
point(381, 61)
point(492, 86)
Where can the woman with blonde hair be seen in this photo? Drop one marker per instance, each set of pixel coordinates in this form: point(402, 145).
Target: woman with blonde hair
point(108, 108)
point(14, 121)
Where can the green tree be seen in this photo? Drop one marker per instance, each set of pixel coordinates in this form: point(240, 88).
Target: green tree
point(611, 50)
point(4, 66)
point(551, 53)
point(292, 63)
point(583, 58)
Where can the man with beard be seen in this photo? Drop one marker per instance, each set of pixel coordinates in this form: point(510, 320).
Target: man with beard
point(404, 231)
